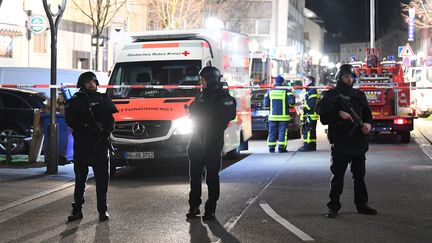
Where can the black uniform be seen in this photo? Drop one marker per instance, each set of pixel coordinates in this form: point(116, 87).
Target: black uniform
point(210, 112)
point(347, 147)
point(91, 144)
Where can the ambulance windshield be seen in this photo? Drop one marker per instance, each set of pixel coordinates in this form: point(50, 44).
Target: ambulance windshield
point(160, 73)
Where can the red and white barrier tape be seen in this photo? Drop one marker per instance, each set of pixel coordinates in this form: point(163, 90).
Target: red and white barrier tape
point(48, 86)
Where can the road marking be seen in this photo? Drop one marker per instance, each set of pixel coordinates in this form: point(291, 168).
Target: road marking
point(233, 220)
point(300, 234)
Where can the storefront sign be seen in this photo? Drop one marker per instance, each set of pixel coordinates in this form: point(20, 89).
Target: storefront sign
point(37, 24)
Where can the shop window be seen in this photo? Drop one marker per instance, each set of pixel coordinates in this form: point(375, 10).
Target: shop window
point(6, 46)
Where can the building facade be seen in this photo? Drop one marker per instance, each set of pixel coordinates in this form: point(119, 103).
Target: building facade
point(353, 50)
point(75, 45)
point(275, 30)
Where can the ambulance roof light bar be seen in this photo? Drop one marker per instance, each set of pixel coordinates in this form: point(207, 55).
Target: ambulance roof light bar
point(138, 38)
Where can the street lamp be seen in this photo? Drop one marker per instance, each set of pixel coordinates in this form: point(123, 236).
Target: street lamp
point(54, 20)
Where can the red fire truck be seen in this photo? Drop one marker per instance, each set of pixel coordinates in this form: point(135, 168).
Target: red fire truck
point(387, 93)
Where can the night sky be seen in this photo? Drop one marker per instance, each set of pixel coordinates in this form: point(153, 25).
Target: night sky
point(348, 20)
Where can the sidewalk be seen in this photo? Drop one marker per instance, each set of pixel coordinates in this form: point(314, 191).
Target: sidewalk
point(424, 126)
point(21, 184)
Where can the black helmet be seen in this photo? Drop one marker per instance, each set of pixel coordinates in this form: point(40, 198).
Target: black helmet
point(86, 77)
point(211, 74)
point(345, 69)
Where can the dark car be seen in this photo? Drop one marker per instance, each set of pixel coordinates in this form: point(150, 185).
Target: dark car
point(260, 115)
point(16, 115)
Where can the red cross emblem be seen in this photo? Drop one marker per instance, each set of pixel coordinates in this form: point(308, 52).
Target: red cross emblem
point(185, 53)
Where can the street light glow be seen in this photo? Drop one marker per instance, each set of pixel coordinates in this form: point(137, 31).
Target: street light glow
point(214, 23)
point(267, 44)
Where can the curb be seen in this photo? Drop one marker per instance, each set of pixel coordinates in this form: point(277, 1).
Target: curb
point(37, 195)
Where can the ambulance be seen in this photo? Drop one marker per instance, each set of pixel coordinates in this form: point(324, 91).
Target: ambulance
point(156, 76)
point(420, 79)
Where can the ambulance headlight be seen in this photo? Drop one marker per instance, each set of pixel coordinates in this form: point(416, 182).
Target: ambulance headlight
point(182, 125)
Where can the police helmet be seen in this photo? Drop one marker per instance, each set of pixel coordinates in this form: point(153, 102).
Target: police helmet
point(211, 74)
point(86, 77)
point(279, 80)
point(345, 69)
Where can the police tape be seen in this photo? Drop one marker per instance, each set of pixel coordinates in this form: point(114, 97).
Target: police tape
point(250, 87)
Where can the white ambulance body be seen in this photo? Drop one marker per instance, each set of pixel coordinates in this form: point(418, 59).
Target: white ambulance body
point(420, 79)
point(152, 122)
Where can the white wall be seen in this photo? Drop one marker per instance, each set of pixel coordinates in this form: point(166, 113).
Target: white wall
point(316, 35)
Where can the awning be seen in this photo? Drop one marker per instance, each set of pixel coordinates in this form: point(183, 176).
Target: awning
point(11, 30)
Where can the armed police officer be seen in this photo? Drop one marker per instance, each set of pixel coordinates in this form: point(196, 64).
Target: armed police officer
point(90, 115)
point(211, 112)
point(279, 100)
point(309, 117)
point(347, 113)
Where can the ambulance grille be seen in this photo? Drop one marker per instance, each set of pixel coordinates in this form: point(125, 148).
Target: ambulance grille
point(141, 129)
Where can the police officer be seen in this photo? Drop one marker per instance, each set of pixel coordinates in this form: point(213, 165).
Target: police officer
point(211, 112)
point(279, 100)
point(348, 139)
point(89, 114)
point(309, 117)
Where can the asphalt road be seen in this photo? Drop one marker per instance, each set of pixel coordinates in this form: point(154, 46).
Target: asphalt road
point(264, 198)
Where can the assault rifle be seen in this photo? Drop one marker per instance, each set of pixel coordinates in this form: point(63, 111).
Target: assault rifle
point(100, 129)
point(357, 121)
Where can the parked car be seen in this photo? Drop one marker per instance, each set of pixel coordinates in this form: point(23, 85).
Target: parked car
point(260, 115)
point(16, 115)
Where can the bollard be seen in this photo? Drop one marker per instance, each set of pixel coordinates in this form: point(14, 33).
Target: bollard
point(37, 138)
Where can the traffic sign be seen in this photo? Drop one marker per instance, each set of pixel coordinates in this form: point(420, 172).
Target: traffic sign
point(406, 61)
point(37, 24)
point(400, 48)
point(407, 51)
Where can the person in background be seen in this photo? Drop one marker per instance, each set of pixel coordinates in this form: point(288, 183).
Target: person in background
point(279, 100)
point(309, 118)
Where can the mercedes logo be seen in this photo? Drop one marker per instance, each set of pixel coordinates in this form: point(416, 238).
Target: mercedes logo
point(138, 129)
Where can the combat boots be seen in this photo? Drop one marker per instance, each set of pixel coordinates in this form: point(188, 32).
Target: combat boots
point(366, 210)
point(210, 211)
point(103, 216)
point(307, 148)
point(331, 213)
point(282, 149)
point(194, 211)
point(75, 215)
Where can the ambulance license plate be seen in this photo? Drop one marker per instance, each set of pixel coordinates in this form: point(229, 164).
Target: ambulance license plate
point(140, 155)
